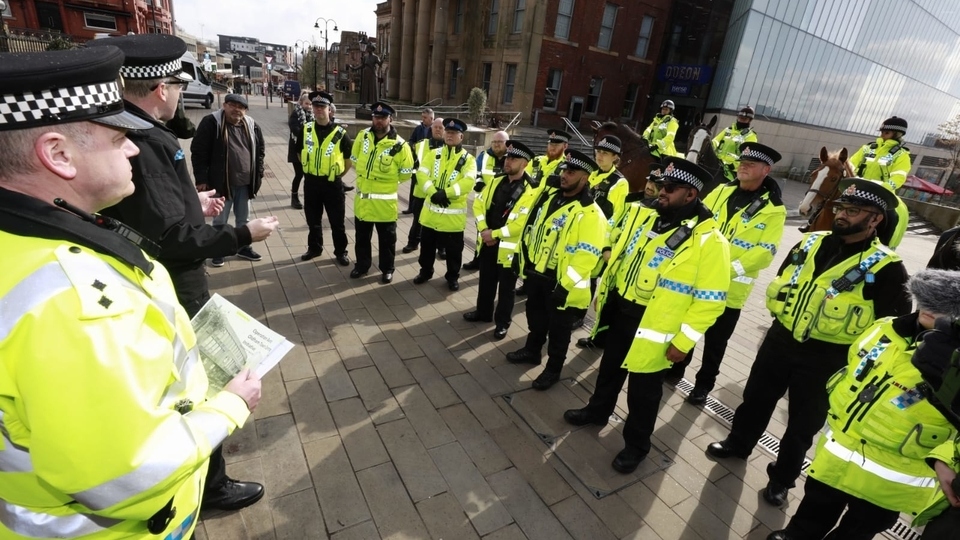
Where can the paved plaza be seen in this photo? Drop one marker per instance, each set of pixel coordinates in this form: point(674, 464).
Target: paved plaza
point(393, 417)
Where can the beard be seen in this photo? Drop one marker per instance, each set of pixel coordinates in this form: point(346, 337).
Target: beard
point(380, 130)
point(846, 230)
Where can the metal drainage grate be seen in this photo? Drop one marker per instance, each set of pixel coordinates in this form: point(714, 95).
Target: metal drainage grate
point(771, 445)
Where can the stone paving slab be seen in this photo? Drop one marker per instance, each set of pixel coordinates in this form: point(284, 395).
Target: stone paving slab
point(387, 420)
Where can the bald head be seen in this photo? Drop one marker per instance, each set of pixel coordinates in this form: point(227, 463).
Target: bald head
point(498, 145)
point(436, 128)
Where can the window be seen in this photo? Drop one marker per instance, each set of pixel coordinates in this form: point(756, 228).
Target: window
point(509, 82)
point(458, 18)
point(487, 74)
point(630, 101)
point(552, 92)
point(96, 20)
point(7, 11)
point(454, 71)
point(643, 42)
point(518, 16)
point(494, 18)
point(564, 18)
point(606, 26)
point(593, 98)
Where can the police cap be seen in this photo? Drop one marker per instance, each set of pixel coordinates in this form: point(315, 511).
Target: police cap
point(148, 56)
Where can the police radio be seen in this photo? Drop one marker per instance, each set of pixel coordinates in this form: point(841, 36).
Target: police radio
point(104, 222)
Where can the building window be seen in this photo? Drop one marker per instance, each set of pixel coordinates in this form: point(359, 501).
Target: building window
point(458, 18)
point(564, 18)
point(552, 92)
point(103, 22)
point(518, 16)
point(643, 42)
point(509, 83)
point(494, 18)
point(630, 101)
point(454, 71)
point(7, 11)
point(487, 75)
point(606, 26)
point(593, 98)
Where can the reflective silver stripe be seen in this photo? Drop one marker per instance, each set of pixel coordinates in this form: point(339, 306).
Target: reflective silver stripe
point(13, 458)
point(450, 211)
point(381, 196)
point(875, 468)
point(656, 337)
point(456, 189)
point(691, 334)
point(37, 525)
point(507, 245)
point(43, 284)
point(743, 279)
point(505, 231)
point(213, 425)
point(738, 267)
point(574, 276)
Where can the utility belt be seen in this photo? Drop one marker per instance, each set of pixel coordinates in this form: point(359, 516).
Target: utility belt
point(628, 307)
point(543, 279)
point(337, 178)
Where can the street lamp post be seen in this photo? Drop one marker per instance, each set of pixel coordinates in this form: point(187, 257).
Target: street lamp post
point(326, 35)
point(302, 46)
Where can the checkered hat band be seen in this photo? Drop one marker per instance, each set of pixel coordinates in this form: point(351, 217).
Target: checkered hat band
point(516, 152)
point(561, 138)
point(156, 71)
point(59, 104)
point(746, 114)
point(580, 164)
point(893, 127)
point(750, 153)
point(860, 195)
point(682, 176)
point(607, 145)
point(322, 100)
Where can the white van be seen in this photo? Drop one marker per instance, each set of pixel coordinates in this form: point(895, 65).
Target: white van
point(199, 90)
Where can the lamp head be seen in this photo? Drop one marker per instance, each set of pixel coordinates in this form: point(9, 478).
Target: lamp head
point(316, 25)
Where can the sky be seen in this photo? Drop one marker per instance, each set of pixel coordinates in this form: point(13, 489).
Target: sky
point(282, 23)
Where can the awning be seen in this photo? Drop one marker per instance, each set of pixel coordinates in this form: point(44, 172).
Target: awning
point(919, 184)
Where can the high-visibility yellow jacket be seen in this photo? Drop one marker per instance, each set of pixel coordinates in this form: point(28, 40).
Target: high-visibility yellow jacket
point(509, 234)
point(454, 171)
point(660, 134)
point(610, 190)
point(100, 366)
point(487, 166)
point(424, 155)
point(888, 162)
point(880, 427)
point(754, 233)
point(541, 167)
point(381, 167)
point(937, 503)
point(684, 288)
point(322, 158)
point(728, 142)
point(564, 244)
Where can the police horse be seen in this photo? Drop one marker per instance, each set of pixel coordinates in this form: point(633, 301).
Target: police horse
point(700, 150)
point(635, 156)
point(824, 189)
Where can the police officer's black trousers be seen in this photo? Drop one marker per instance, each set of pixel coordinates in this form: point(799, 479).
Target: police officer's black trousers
point(416, 206)
point(386, 236)
point(944, 526)
point(320, 194)
point(545, 320)
point(432, 240)
point(714, 347)
point(784, 364)
point(821, 508)
point(496, 283)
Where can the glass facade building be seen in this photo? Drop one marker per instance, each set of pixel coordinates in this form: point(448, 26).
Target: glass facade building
point(843, 64)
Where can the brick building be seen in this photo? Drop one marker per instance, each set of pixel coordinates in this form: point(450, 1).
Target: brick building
point(83, 20)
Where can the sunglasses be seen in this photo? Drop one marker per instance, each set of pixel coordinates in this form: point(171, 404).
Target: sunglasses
point(182, 84)
point(670, 187)
point(852, 211)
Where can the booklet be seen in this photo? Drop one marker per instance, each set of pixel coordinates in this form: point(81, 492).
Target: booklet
point(230, 340)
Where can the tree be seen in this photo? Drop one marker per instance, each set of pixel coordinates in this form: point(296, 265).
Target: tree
point(950, 139)
point(477, 102)
point(311, 69)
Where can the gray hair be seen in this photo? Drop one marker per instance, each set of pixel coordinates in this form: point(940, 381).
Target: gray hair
point(427, 110)
point(140, 87)
point(16, 146)
point(936, 291)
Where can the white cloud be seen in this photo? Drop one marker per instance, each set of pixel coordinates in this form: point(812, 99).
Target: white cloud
point(282, 22)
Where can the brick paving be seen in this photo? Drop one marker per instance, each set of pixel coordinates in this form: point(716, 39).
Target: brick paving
point(387, 420)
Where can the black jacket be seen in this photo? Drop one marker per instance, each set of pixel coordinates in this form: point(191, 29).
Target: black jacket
point(298, 118)
point(165, 208)
point(208, 153)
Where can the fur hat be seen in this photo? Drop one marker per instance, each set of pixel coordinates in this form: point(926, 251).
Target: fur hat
point(936, 291)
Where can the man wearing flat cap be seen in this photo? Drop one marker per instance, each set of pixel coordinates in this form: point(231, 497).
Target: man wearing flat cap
point(887, 160)
point(662, 278)
point(384, 160)
point(449, 179)
point(829, 289)
point(107, 427)
point(500, 224)
point(751, 215)
point(325, 158)
point(559, 248)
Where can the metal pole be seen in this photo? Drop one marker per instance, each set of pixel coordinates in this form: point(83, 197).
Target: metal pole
point(326, 56)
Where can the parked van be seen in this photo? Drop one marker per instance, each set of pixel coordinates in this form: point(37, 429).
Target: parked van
point(199, 90)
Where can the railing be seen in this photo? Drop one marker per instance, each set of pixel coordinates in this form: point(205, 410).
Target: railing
point(514, 122)
point(32, 40)
point(573, 129)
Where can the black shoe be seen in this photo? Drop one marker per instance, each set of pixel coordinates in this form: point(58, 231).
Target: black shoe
point(577, 324)
point(779, 535)
point(409, 248)
point(347, 188)
point(357, 273)
point(628, 460)
point(216, 262)
point(472, 265)
point(247, 252)
point(442, 254)
point(500, 332)
point(310, 255)
point(545, 380)
point(407, 211)
point(804, 228)
point(295, 202)
point(724, 450)
point(453, 285)
point(474, 316)
point(775, 493)
point(582, 417)
point(588, 343)
point(232, 495)
point(521, 290)
point(387, 277)
point(698, 396)
point(523, 356)
point(343, 260)
point(421, 279)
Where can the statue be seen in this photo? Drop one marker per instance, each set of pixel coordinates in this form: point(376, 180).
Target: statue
point(369, 76)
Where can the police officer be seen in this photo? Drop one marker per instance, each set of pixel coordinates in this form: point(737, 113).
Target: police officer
point(164, 206)
point(881, 427)
point(107, 425)
point(500, 225)
point(422, 157)
point(664, 283)
point(728, 141)
point(828, 291)
point(384, 160)
point(560, 247)
point(661, 132)
point(887, 160)
point(325, 159)
point(751, 217)
point(451, 175)
point(489, 164)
